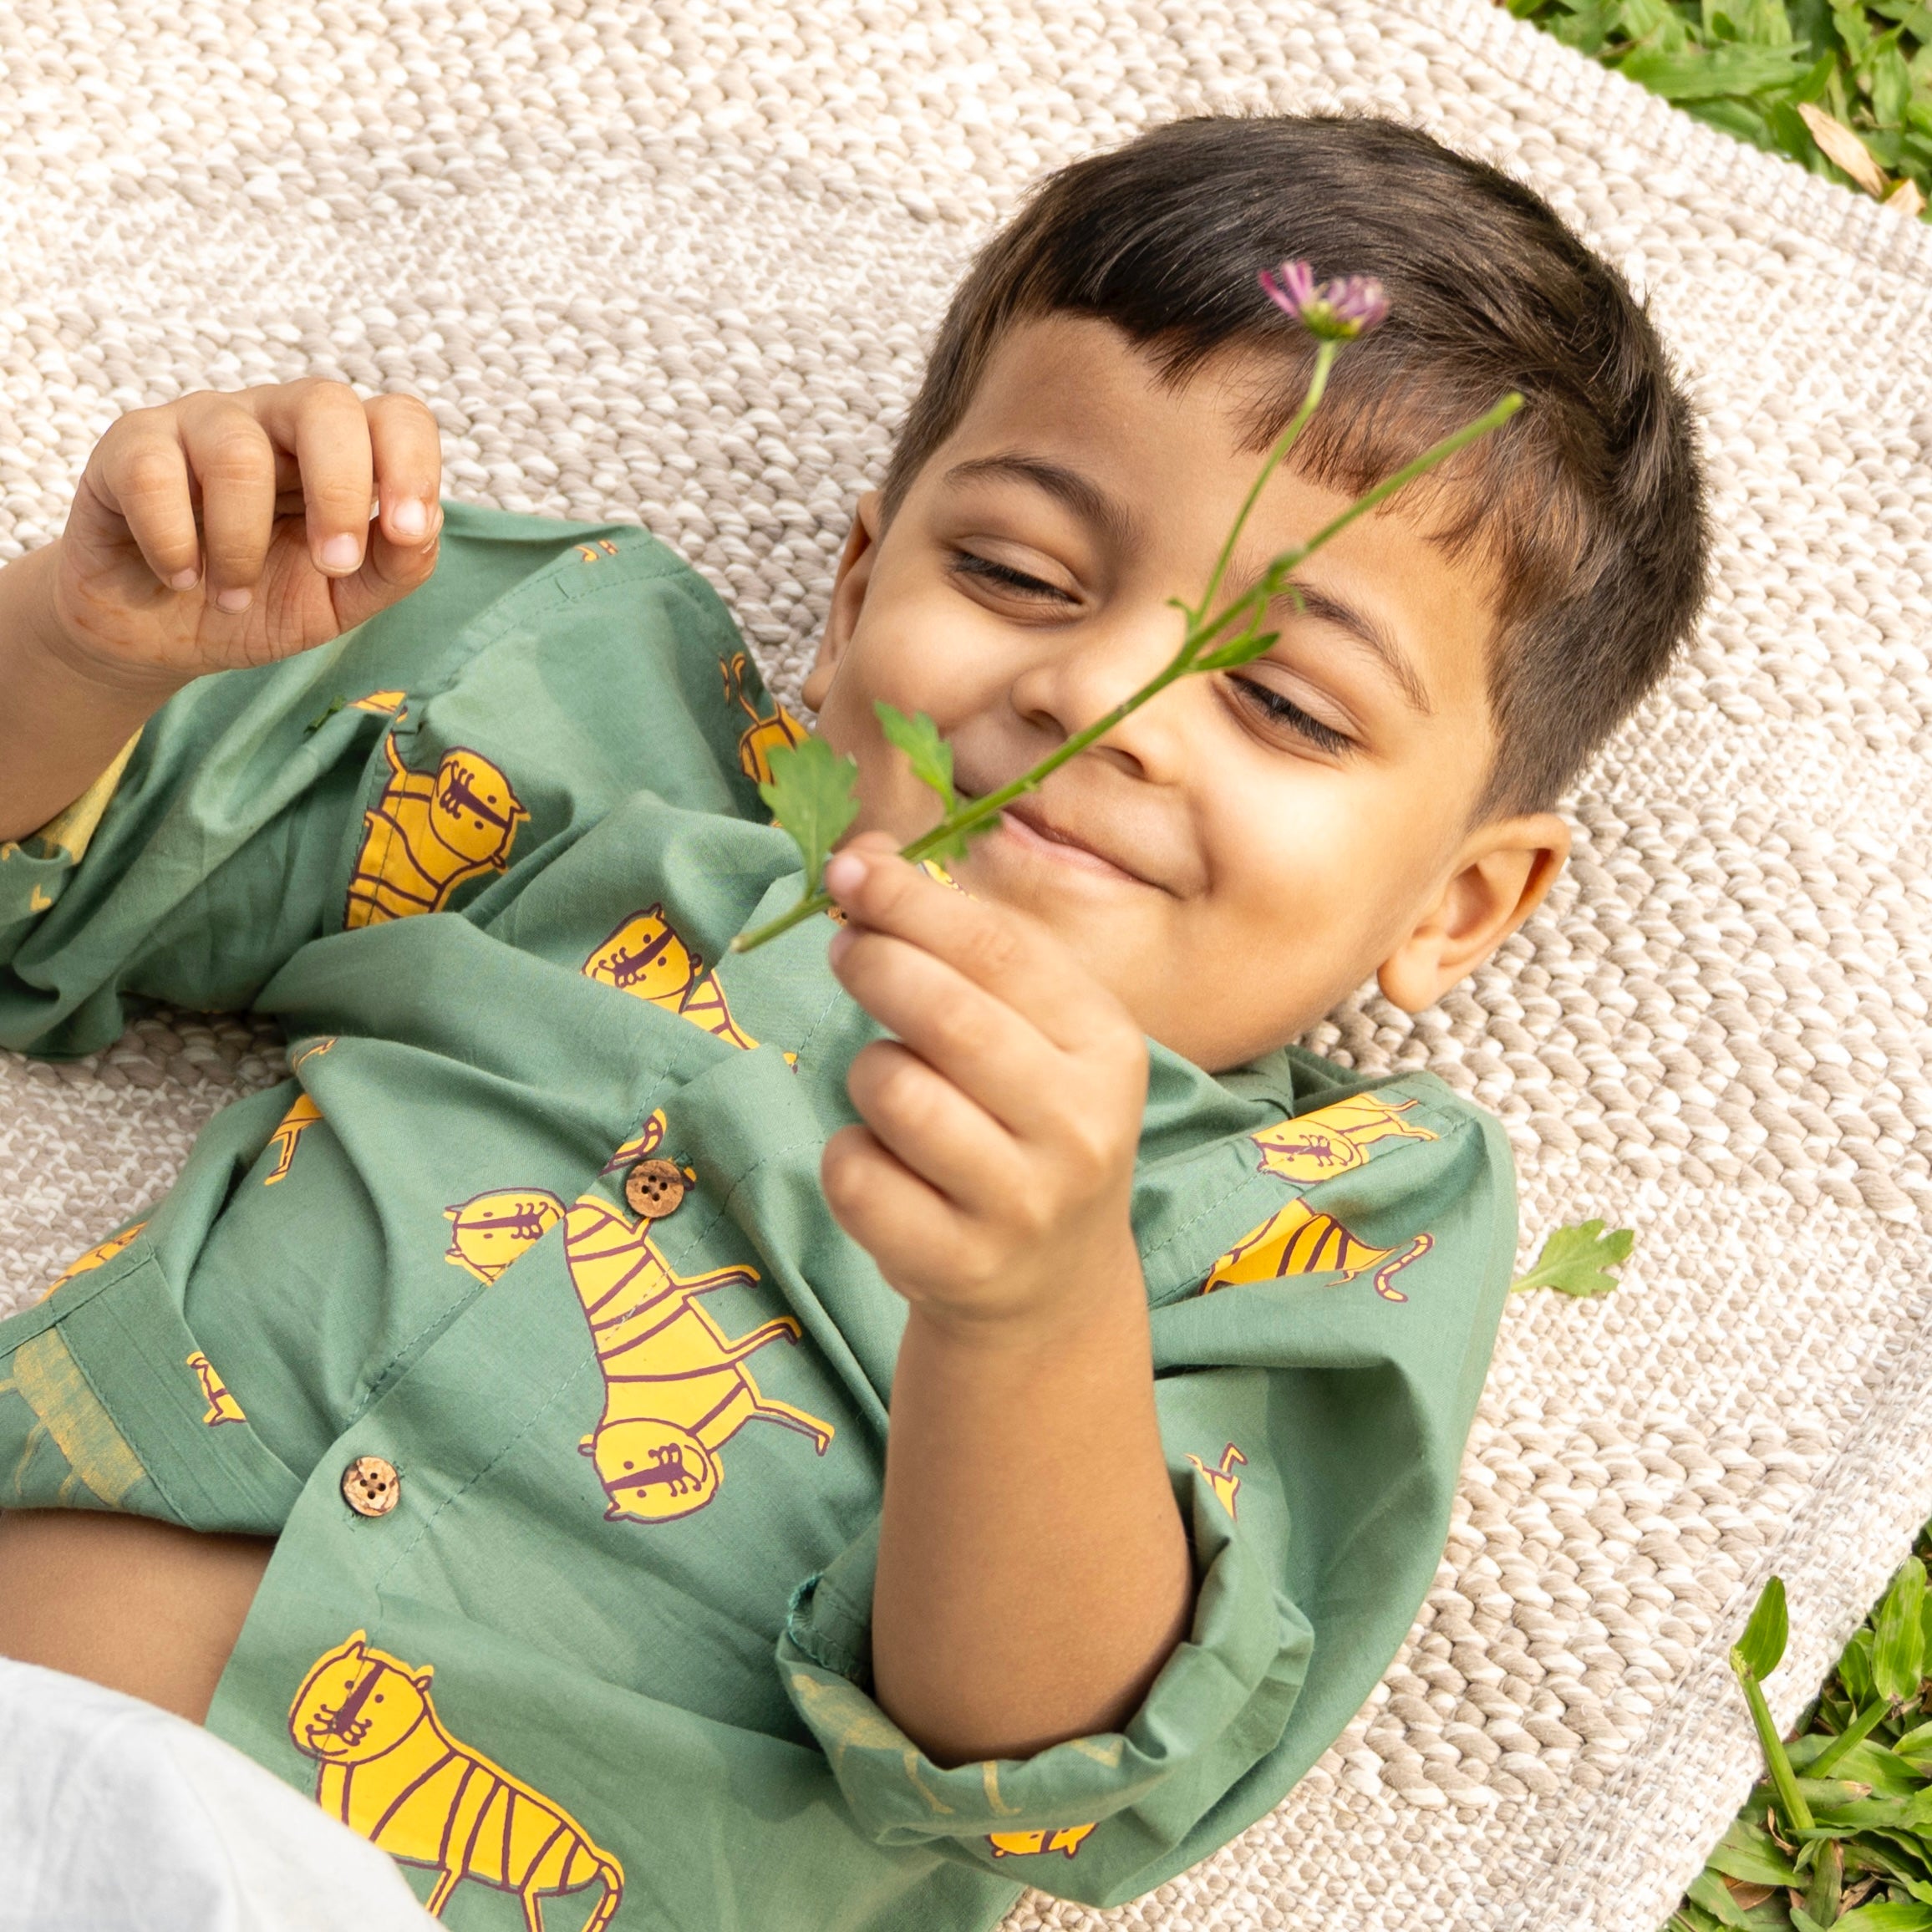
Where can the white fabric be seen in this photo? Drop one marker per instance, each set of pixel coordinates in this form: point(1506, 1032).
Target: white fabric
point(677, 260)
point(115, 1817)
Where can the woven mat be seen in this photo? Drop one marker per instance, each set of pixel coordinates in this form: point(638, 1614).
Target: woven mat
point(677, 263)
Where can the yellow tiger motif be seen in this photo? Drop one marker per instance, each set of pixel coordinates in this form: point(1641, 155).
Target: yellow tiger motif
point(103, 1251)
point(428, 833)
point(644, 957)
point(1299, 1239)
point(388, 1771)
point(488, 1232)
point(1335, 1140)
point(676, 1388)
point(767, 732)
point(1066, 1839)
point(381, 703)
point(223, 1407)
point(302, 1115)
point(1221, 1478)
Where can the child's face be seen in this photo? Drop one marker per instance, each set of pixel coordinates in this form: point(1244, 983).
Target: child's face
point(1237, 857)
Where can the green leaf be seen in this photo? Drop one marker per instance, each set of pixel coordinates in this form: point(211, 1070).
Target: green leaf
point(1760, 1649)
point(1578, 1260)
point(929, 754)
point(1824, 1891)
point(322, 717)
point(1710, 1891)
point(1890, 1915)
point(1855, 1669)
point(1243, 649)
point(1729, 69)
point(810, 796)
point(1891, 84)
point(1749, 1852)
point(1802, 1921)
point(1898, 1636)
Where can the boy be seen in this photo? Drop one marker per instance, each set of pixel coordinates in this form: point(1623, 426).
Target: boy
point(548, 1320)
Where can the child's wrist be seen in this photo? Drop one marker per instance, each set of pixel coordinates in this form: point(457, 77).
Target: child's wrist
point(1104, 1294)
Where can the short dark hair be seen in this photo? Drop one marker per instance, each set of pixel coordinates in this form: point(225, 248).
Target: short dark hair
point(1589, 505)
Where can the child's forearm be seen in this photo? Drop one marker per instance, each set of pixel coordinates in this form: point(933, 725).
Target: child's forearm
point(60, 727)
point(1034, 1571)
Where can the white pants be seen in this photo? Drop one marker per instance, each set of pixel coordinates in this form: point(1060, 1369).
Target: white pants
point(114, 1814)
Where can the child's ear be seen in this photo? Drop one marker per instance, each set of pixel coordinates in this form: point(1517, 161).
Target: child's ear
point(848, 596)
point(1499, 879)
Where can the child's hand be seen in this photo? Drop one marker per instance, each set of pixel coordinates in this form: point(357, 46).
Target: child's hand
point(234, 529)
point(993, 1178)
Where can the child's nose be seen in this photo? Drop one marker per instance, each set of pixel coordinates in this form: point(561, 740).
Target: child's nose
point(1074, 686)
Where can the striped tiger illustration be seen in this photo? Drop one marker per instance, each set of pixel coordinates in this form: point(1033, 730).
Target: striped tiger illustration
point(1298, 1240)
point(302, 1115)
point(1066, 1839)
point(767, 732)
point(490, 1231)
point(429, 832)
point(96, 1256)
point(644, 957)
point(388, 1771)
point(676, 1388)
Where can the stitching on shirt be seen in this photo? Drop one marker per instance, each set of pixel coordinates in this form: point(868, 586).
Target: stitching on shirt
point(537, 1415)
point(824, 1013)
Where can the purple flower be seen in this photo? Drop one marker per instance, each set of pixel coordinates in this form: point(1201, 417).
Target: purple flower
point(1337, 311)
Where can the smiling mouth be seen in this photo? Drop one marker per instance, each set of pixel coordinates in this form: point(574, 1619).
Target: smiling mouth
point(1024, 823)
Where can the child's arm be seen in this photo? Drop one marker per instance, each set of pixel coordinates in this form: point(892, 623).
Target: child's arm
point(237, 495)
point(1034, 1572)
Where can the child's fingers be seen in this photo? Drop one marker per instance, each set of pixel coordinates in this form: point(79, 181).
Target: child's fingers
point(326, 425)
point(938, 1133)
point(904, 1222)
point(139, 472)
point(408, 451)
point(1015, 961)
point(232, 462)
point(975, 1040)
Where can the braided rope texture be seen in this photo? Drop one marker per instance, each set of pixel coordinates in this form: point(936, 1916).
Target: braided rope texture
point(676, 262)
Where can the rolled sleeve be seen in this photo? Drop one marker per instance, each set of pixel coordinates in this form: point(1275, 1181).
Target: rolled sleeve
point(1094, 1818)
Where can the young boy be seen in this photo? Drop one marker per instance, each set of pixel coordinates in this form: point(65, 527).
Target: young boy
point(549, 1318)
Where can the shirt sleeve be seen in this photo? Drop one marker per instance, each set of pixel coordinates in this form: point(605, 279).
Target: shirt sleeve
point(1315, 1423)
point(220, 842)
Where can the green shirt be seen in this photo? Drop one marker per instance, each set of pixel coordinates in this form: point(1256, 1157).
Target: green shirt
point(612, 1473)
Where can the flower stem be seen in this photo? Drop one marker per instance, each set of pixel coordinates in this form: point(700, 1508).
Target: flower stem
point(1783, 1780)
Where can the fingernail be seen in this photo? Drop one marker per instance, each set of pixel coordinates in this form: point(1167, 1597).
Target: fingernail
point(842, 874)
point(341, 552)
point(410, 517)
point(235, 600)
point(184, 580)
point(839, 945)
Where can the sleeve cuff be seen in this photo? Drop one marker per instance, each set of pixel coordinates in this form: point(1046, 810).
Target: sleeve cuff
point(1111, 1805)
point(33, 869)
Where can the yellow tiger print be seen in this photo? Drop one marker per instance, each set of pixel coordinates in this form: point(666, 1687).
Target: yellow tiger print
point(1334, 1140)
point(644, 957)
point(675, 1384)
point(302, 1115)
point(1221, 1478)
point(429, 832)
point(103, 1251)
point(388, 1771)
point(488, 1232)
point(1066, 1839)
point(767, 732)
point(223, 1407)
point(1299, 1240)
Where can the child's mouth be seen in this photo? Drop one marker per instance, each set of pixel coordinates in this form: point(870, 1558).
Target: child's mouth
point(1024, 823)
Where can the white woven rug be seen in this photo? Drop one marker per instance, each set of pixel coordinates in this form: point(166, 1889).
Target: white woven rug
point(676, 262)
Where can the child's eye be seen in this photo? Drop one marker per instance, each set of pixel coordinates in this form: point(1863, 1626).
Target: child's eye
point(1272, 704)
point(965, 563)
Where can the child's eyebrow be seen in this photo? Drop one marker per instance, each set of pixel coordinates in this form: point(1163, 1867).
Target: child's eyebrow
point(1080, 494)
point(1369, 632)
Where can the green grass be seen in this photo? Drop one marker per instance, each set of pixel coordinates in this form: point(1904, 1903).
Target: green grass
point(1838, 1835)
point(1749, 66)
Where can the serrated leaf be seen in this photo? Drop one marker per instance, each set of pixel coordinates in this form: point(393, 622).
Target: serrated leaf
point(810, 796)
point(1898, 1636)
point(929, 754)
point(1760, 1649)
point(1578, 1260)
